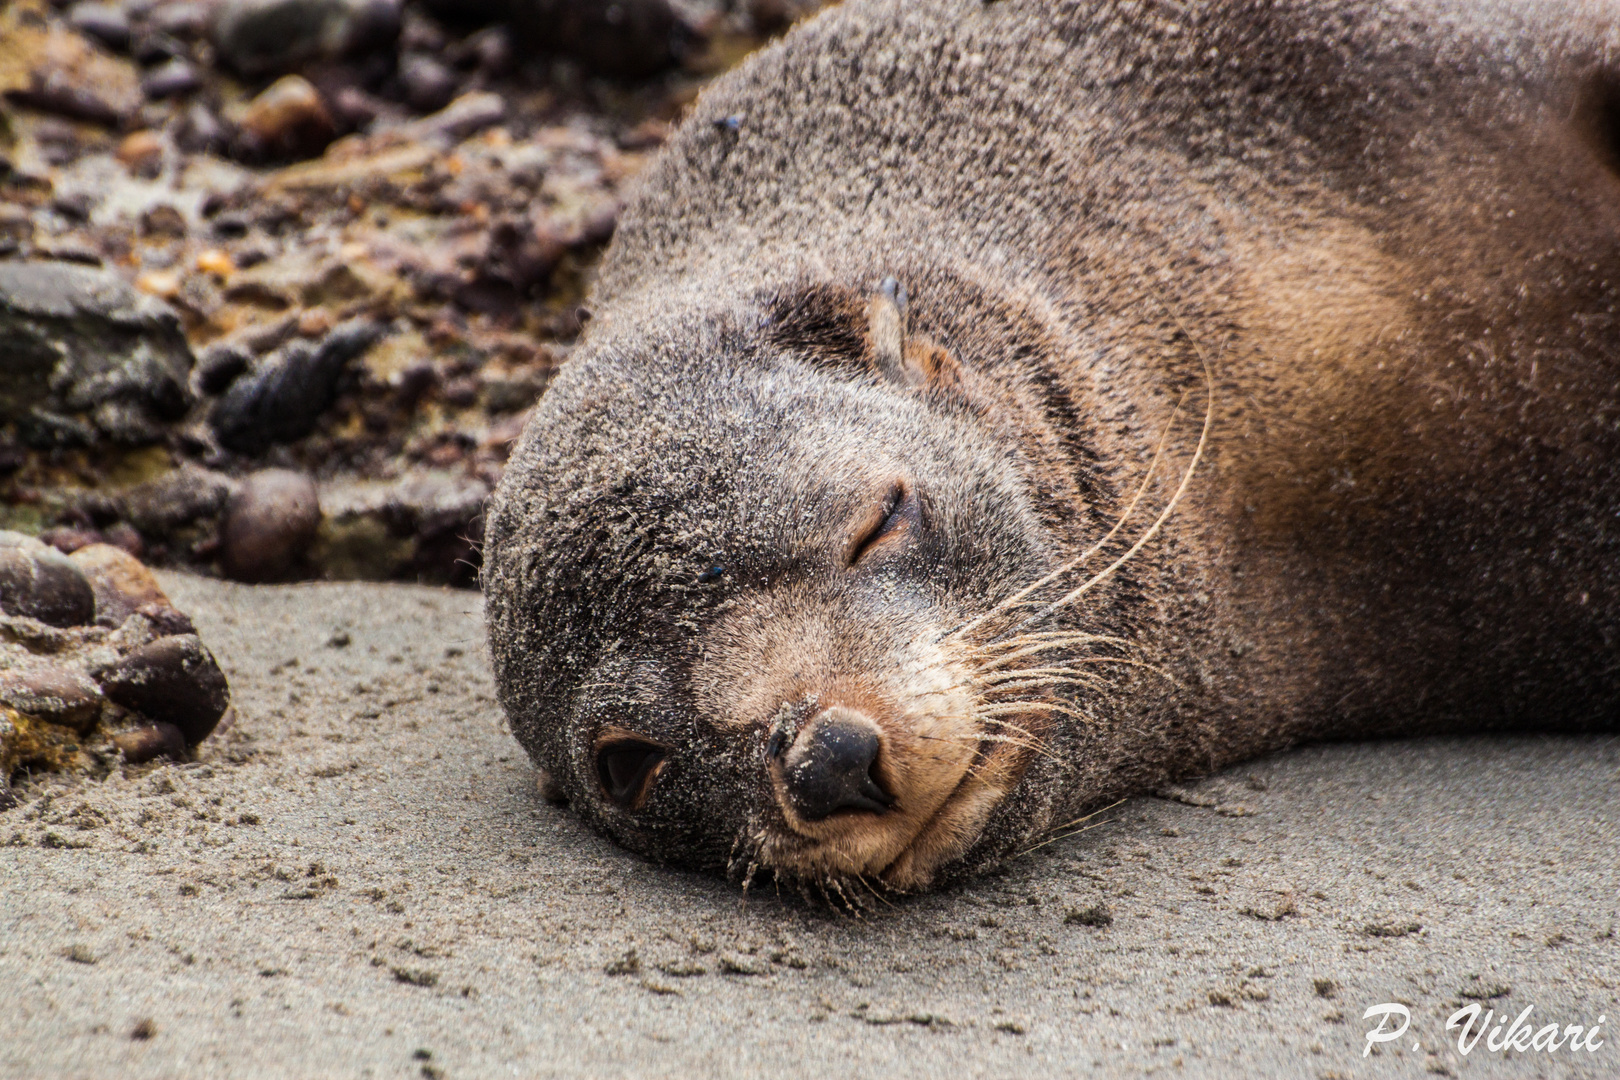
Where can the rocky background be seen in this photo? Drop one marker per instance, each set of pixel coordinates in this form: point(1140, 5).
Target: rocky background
point(280, 279)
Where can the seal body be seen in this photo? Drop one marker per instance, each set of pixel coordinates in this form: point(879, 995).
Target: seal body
point(992, 410)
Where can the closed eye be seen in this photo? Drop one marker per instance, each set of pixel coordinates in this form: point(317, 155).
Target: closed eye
point(898, 512)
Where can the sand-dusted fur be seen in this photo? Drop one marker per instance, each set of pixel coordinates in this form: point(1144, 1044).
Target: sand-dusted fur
point(1369, 252)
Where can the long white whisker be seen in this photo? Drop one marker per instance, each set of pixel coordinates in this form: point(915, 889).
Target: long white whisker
point(1080, 560)
point(1153, 530)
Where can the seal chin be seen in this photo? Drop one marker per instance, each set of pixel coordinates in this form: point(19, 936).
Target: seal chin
point(957, 824)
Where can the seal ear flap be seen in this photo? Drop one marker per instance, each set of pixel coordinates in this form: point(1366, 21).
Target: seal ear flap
point(886, 330)
point(915, 363)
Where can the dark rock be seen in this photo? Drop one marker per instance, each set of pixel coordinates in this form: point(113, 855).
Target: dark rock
point(775, 16)
point(220, 364)
point(200, 130)
point(161, 505)
point(143, 744)
point(472, 12)
point(165, 221)
point(75, 340)
point(283, 399)
point(182, 20)
point(170, 79)
point(16, 228)
point(171, 680)
point(166, 621)
point(123, 535)
point(287, 120)
point(75, 206)
point(523, 251)
point(107, 23)
point(491, 50)
point(68, 539)
point(46, 430)
point(429, 84)
point(626, 38)
point(54, 695)
point(39, 582)
point(467, 115)
point(269, 524)
point(264, 37)
point(156, 47)
point(354, 108)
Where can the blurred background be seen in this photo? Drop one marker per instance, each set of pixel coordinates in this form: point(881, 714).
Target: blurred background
point(281, 279)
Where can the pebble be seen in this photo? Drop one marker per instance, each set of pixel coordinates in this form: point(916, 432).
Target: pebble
point(148, 743)
point(171, 680)
point(171, 78)
point(54, 695)
point(219, 364)
point(283, 399)
point(71, 78)
point(268, 526)
point(16, 228)
point(141, 152)
point(166, 621)
point(287, 119)
point(627, 38)
point(154, 48)
point(123, 535)
point(215, 261)
point(159, 506)
point(39, 582)
point(466, 116)
point(200, 130)
point(121, 583)
point(429, 84)
point(75, 206)
point(165, 221)
point(67, 539)
point(265, 37)
point(183, 20)
point(107, 23)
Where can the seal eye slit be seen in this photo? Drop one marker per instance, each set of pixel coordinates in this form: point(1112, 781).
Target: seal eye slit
point(898, 511)
point(627, 768)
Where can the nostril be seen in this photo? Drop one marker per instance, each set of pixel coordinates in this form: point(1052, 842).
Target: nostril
point(829, 767)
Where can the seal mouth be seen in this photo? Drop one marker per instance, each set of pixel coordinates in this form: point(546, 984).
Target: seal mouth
point(866, 835)
point(960, 819)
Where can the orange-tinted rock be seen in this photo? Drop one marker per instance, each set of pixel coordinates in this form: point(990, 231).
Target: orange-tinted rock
point(143, 744)
point(287, 120)
point(120, 582)
point(61, 697)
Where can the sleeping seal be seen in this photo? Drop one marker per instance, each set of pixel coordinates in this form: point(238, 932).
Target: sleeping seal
point(996, 409)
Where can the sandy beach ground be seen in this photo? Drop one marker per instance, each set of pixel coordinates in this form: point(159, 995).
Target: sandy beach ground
point(359, 879)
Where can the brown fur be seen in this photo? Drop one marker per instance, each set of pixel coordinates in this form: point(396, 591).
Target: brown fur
point(1373, 245)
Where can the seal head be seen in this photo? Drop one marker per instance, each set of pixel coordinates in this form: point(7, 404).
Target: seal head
point(736, 617)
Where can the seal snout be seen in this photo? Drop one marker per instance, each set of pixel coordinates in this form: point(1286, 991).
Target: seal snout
point(830, 767)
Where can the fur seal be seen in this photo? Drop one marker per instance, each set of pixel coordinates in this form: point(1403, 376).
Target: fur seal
point(996, 409)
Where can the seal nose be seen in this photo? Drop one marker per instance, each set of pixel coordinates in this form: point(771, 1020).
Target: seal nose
point(829, 766)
